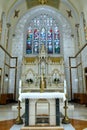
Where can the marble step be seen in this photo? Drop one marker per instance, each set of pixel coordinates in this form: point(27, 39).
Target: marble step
point(42, 128)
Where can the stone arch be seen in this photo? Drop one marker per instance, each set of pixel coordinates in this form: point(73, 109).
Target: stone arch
point(18, 41)
point(20, 29)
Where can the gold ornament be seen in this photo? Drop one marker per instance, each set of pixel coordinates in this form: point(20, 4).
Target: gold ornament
point(43, 1)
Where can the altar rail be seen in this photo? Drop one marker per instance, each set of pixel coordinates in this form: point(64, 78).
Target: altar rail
point(42, 128)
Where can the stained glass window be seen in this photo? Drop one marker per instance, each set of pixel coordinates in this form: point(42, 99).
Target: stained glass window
point(29, 41)
point(43, 29)
point(43, 36)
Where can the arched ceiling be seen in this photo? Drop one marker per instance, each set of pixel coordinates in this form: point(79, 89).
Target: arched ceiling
point(7, 4)
point(18, 8)
point(15, 9)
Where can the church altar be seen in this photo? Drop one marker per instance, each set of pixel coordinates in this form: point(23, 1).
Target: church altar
point(42, 108)
point(42, 88)
point(44, 95)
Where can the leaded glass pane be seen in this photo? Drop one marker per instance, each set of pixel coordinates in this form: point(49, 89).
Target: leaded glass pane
point(56, 40)
point(29, 41)
point(36, 34)
point(57, 47)
point(49, 34)
point(43, 34)
point(43, 29)
point(50, 47)
point(36, 47)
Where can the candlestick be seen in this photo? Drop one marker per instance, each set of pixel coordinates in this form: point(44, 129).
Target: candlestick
point(65, 91)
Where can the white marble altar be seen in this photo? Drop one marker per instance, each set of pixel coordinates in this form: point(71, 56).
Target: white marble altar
point(44, 95)
point(33, 98)
point(52, 68)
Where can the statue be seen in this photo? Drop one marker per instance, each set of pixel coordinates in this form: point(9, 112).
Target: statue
point(42, 83)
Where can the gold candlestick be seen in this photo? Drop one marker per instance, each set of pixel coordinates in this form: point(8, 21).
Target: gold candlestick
point(42, 83)
point(19, 119)
point(66, 120)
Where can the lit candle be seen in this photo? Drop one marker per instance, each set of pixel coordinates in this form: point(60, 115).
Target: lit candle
point(20, 83)
point(19, 86)
point(64, 86)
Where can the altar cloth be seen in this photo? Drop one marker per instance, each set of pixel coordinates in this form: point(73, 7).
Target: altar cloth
point(44, 95)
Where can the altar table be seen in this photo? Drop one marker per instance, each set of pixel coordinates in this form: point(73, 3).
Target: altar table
point(44, 95)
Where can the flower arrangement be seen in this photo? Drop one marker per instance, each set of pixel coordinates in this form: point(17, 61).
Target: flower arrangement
point(29, 80)
point(56, 80)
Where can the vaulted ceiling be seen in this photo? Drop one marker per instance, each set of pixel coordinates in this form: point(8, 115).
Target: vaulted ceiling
point(15, 9)
point(5, 5)
point(8, 3)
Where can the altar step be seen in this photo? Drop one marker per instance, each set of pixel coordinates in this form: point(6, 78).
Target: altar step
point(42, 128)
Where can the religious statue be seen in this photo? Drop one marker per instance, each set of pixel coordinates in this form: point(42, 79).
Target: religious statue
point(42, 83)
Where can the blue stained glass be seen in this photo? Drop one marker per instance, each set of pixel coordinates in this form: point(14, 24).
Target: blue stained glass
point(43, 34)
point(57, 46)
point(36, 47)
point(29, 42)
point(29, 47)
point(50, 47)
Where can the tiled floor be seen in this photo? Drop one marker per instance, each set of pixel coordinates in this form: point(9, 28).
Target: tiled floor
point(78, 113)
point(6, 112)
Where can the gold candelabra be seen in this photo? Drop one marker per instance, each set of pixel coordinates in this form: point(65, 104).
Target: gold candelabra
point(66, 120)
point(19, 119)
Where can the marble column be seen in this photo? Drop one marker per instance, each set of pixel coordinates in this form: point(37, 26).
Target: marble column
point(57, 113)
point(26, 112)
